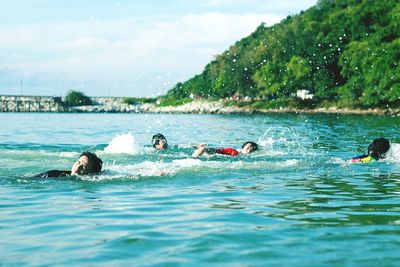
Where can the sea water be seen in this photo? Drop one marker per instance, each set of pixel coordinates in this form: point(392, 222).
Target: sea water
point(298, 201)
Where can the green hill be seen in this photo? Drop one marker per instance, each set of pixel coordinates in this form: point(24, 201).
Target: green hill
point(344, 52)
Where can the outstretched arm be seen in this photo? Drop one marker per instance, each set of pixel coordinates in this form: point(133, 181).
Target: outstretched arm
point(201, 149)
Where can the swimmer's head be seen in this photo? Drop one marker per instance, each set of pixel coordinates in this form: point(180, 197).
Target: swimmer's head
point(378, 148)
point(159, 141)
point(249, 147)
point(87, 163)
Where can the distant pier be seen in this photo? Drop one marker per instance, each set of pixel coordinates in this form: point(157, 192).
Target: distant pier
point(13, 103)
point(19, 103)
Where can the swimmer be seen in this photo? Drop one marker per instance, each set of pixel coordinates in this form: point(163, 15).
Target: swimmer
point(86, 164)
point(159, 142)
point(247, 148)
point(376, 150)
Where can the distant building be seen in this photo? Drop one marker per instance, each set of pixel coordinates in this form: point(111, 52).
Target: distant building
point(304, 94)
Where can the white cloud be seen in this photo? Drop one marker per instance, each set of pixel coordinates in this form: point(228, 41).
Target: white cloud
point(126, 51)
point(278, 7)
point(287, 5)
point(214, 3)
point(86, 43)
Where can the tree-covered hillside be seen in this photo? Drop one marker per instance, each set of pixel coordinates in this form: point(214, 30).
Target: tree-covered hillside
point(345, 52)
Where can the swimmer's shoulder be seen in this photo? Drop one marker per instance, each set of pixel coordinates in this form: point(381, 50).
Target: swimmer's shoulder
point(53, 174)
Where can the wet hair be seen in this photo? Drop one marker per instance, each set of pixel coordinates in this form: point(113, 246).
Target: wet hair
point(254, 146)
point(97, 163)
point(157, 138)
point(378, 148)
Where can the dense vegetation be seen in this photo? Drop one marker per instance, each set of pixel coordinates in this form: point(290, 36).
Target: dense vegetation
point(345, 52)
point(159, 102)
point(138, 100)
point(77, 98)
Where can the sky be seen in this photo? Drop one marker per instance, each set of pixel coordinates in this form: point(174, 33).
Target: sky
point(130, 48)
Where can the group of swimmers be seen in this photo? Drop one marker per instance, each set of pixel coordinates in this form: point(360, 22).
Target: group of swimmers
point(160, 142)
point(89, 163)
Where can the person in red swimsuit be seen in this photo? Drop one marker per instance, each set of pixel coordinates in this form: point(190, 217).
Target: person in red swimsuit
point(247, 148)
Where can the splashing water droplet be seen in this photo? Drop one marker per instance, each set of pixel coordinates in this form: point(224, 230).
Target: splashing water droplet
point(122, 143)
point(281, 140)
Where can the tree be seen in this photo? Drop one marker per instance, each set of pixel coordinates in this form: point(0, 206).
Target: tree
point(77, 98)
point(344, 51)
point(297, 71)
point(269, 78)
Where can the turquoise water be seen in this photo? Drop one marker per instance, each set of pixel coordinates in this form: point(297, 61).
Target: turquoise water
point(296, 202)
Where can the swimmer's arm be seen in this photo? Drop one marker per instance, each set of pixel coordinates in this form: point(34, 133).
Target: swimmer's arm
point(362, 158)
point(53, 174)
point(201, 149)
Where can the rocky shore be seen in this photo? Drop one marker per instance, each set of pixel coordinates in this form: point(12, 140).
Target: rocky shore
point(118, 105)
point(218, 107)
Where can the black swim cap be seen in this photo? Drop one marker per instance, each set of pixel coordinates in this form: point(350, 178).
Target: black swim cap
point(97, 162)
point(157, 138)
point(378, 148)
point(254, 146)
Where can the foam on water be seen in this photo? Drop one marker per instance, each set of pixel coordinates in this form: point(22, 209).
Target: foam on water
point(122, 143)
point(340, 161)
point(189, 145)
point(69, 154)
point(281, 141)
point(144, 169)
point(160, 168)
point(393, 154)
point(12, 152)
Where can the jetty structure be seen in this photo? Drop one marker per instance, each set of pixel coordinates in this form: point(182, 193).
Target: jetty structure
point(14, 103)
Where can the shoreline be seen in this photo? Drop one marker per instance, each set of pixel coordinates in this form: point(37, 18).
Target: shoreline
point(117, 105)
point(140, 109)
point(217, 107)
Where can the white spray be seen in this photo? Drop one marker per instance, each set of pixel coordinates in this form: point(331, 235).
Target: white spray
point(122, 143)
point(281, 140)
point(393, 154)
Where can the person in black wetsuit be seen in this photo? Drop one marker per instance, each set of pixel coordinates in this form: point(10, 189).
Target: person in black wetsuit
point(159, 142)
point(87, 163)
point(376, 150)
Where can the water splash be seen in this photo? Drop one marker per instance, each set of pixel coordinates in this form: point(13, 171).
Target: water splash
point(393, 154)
point(281, 140)
point(340, 161)
point(144, 169)
point(147, 169)
point(122, 143)
point(69, 154)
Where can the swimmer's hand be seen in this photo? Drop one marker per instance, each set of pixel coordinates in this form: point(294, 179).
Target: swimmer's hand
point(199, 145)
